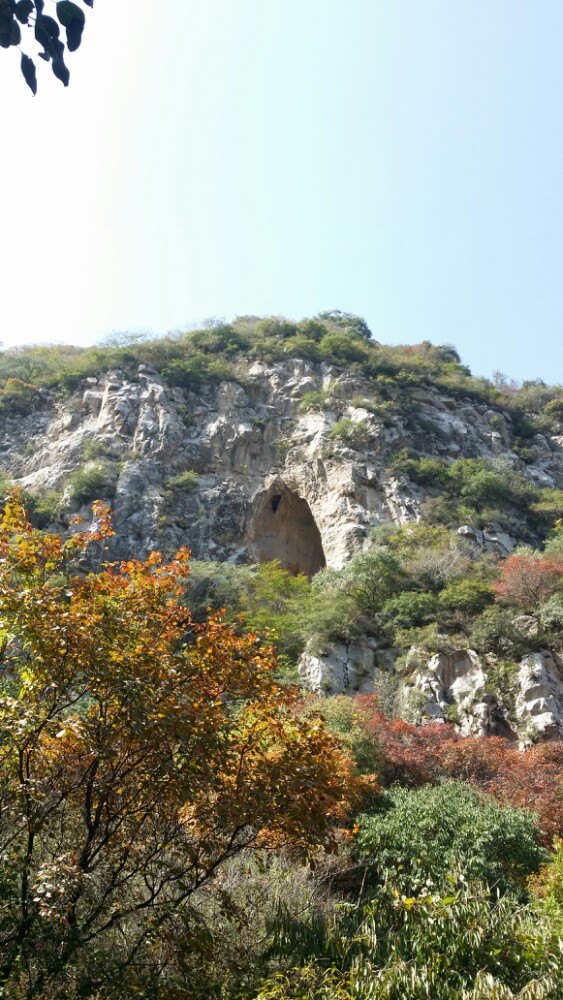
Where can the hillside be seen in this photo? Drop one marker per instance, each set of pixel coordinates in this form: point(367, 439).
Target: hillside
point(306, 445)
point(318, 758)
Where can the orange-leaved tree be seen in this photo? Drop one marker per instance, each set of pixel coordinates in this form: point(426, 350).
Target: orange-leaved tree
point(138, 753)
point(529, 578)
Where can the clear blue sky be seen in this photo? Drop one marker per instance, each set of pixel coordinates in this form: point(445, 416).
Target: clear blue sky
point(400, 160)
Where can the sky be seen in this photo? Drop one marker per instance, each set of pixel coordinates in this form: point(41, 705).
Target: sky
point(213, 158)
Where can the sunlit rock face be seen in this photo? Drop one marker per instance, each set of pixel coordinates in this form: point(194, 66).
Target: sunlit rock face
point(248, 442)
point(241, 471)
point(450, 686)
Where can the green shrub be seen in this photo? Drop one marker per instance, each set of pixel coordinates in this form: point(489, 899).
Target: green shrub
point(312, 329)
point(96, 481)
point(195, 370)
point(410, 609)
point(480, 483)
point(92, 448)
point(448, 945)
point(316, 399)
point(266, 599)
point(467, 596)
point(548, 884)
point(494, 631)
point(423, 835)
point(548, 507)
point(186, 482)
point(45, 507)
point(343, 717)
point(18, 398)
point(281, 450)
point(273, 604)
point(336, 320)
point(555, 408)
point(342, 347)
point(6, 483)
point(220, 339)
point(425, 471)
point(551, 613)
point(502, 681)
point(354, 434)
point(276, 328)
point(302, 347)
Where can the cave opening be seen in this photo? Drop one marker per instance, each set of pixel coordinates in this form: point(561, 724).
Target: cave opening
point(283, 528)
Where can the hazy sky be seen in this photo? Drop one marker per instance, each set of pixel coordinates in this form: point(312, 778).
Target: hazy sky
point(400, 160)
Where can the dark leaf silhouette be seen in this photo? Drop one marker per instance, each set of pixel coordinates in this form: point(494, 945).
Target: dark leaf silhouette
point(29, 75)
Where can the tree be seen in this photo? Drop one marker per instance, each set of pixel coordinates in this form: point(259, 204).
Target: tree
point(528, 579)
point(15, 14)
point(421, 836)
point(139, 752)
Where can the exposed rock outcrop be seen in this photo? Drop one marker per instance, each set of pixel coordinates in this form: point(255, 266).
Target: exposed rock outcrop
point(344, 668)
point(249, 441)
point(453, 686)
point(239, 471)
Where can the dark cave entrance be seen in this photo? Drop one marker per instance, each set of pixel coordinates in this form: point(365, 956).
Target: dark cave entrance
point(283, 528)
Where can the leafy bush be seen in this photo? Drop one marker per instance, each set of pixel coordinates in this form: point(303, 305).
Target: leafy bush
point(422, 470)
point(93, 448)
point(354, 434)
point(355, 326)
point(410, 609)
point(221, 339)
point(45, 507)
point(18, 398)
point(551, 613)
point(302, 347)
point(494, 631)
point(548, 883)
point(316, 399)
point(5, 483)
point(193, 371)
point(343, 716)
point(554, 408)
point(273, 603)
point(423, 835)
point(96, 481)
point(340, 347)
point(265, 598)
point(276, 327)
point(449, 945)
point(186, 482)
point(471, 596)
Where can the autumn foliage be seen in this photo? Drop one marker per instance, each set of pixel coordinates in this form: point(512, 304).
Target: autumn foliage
point(528, 579)
point(415, 755)
point(138, 753)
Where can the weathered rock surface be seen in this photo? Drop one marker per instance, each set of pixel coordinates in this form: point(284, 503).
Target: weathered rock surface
point(249, 443)
point(539, 702)
point(344, 668)
point(450, 686)
point(272, 483)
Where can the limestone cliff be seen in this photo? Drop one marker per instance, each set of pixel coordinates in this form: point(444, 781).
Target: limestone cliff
point(271, 480)
point(286, 460)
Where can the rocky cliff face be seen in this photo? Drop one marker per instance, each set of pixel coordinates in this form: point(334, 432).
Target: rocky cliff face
point(271, 480)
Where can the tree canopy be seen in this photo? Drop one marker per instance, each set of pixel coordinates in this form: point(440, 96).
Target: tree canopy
point(29, 14)
point(139, 753)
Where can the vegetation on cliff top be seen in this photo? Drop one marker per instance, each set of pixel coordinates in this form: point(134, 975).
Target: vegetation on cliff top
point(214, 352)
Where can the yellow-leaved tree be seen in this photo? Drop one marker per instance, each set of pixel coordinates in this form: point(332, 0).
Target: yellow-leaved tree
point(139, 752)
